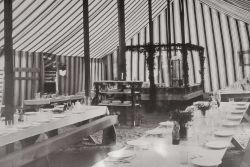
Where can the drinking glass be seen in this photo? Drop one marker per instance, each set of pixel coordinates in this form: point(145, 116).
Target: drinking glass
point(231, 100)
point(183, 156)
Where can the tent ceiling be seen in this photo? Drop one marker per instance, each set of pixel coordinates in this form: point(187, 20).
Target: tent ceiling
point(238, 9)
point(56, 26)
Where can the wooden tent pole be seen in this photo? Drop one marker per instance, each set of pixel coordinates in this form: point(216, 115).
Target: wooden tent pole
point(121, 59)
point(150, 58)
point(86, 47)
point(8, 63)
point(184, 48)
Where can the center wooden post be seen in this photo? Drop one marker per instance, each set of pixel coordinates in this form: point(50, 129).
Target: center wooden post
point(121, 59)
point(86, 47)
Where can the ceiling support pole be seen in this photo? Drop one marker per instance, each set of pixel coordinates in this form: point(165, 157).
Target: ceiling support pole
point(121, 59)
point(151, 58)
point(8, 63)
point(86, 47)
point(184, 49)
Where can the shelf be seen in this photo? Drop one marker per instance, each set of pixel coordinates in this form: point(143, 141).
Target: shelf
point(125, 93)
point(117, 105)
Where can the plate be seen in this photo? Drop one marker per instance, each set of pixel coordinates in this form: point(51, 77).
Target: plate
point(77, 112)
point(120, 154)
point(43, 120)
point(240, 104)
point(217, 144)
point(47, 109)
point(237, 112)
point(30, 113)
point(23, 126)
point(240, 108)
point(234, 117)
point(106, 101)
point(127, 102)
point(140, 143)
point(10, 130)
point(116, 102)
point(58, 116)
point(206, 161)
point(35, 124)
point(156, 132)
point(166, 123)
point(223, 133)
point(230, 124)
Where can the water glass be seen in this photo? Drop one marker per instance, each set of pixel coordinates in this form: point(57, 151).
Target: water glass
point(183, 156)
point(231, 100)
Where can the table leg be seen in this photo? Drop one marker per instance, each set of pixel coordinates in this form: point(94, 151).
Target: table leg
point(109, 136)
point(52, 133)
point(29, 141)
point(9, 148)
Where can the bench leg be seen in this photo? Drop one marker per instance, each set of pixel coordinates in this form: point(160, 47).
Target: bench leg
point(9, 148)
point(109, 135)
point(52, 133)
point(29, 141)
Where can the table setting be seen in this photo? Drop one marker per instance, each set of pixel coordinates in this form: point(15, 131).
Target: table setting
point(208, 137)
point(30, 124)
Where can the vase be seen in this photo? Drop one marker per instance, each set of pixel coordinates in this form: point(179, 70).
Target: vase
point(183, 131)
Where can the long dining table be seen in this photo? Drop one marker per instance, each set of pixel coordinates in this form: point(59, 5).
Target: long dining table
point(91, 119)
point(155, 148)
point(37, 123)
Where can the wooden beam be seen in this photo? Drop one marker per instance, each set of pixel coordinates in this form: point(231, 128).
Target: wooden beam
point(39, 150)
point(86, 46)
point(121, 59)
point(8, 62)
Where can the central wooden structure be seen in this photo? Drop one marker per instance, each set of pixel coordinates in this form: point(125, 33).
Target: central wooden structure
point(179, 89)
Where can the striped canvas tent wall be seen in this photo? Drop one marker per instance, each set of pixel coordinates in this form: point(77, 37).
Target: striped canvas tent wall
point(221, 34)
point(27, 67)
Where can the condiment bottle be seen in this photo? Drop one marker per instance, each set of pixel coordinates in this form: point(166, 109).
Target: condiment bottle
point(176, 134)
